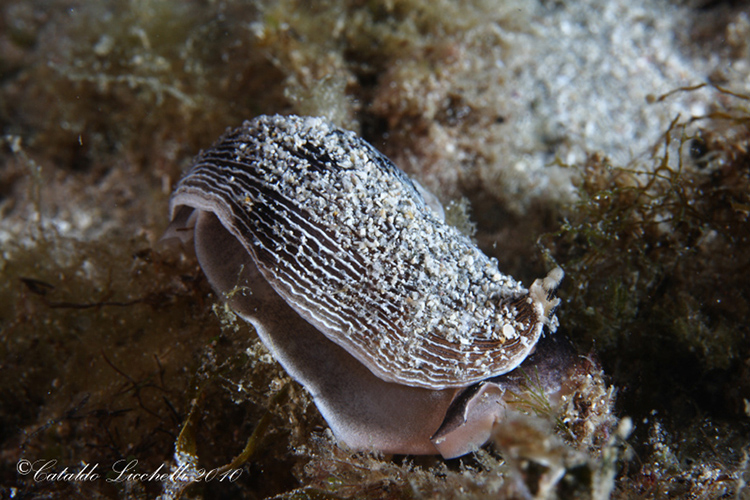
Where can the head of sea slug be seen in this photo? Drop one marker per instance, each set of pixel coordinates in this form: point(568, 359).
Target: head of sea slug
point(405, 334)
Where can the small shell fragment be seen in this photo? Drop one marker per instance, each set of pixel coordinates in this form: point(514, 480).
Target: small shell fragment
point(347, 242)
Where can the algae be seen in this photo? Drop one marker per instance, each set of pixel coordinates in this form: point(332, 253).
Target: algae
point(112, 348)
